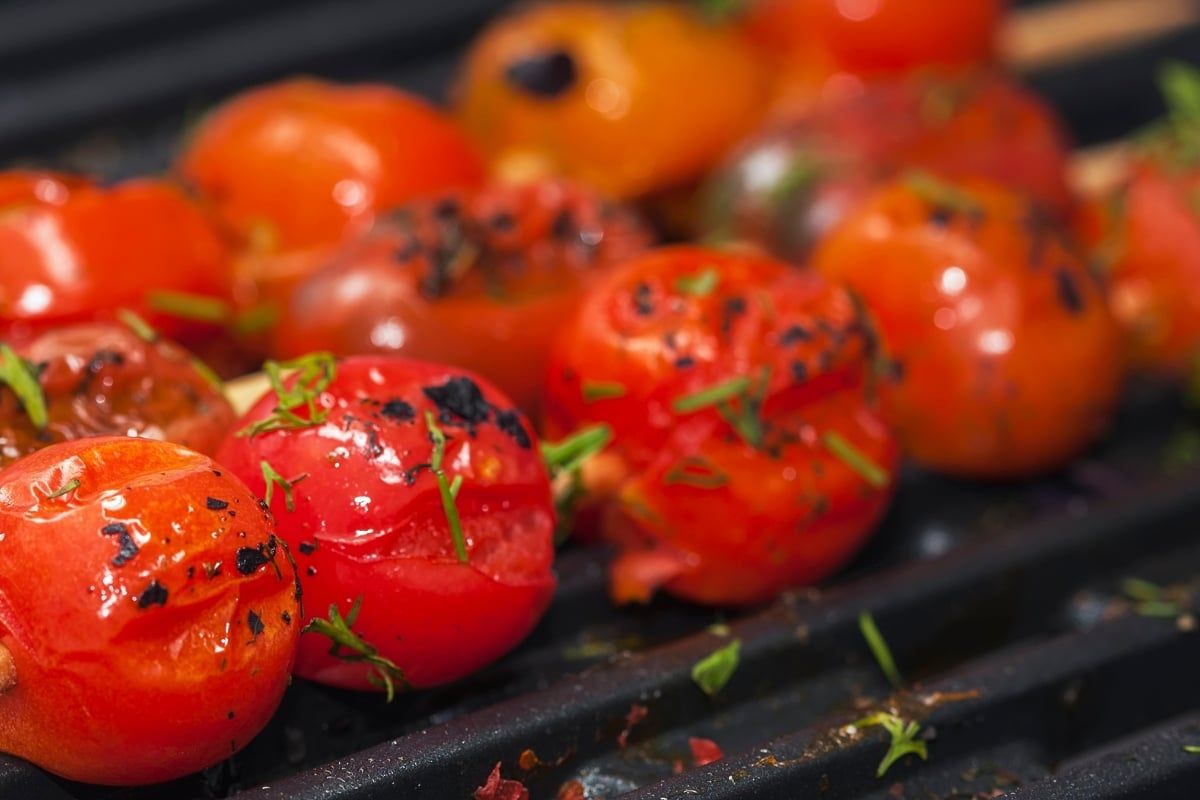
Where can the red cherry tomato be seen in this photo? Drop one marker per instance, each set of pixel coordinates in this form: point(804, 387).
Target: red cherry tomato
point(70, 250)
point(1148, 238)
point(1009, 358)
point(305, 163)
point(791, 184)
point(148, 619)
point(736, 388)
point(367, 519)
point(481, 280)
point(103, 379)
point(631, 98)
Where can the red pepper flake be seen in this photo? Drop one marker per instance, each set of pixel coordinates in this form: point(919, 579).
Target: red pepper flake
point(498, 788)
point(704, 751)
point(637, 713)
point(571, 790)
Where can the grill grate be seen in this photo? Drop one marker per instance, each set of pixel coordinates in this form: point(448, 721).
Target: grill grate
point(1001, 600)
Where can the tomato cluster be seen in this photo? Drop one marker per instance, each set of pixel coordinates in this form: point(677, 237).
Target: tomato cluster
point(427, 292)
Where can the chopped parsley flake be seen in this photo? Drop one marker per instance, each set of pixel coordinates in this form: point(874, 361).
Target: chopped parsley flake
point(712, 672)
point(313, 374)
point(602, 390)
point(903, 742)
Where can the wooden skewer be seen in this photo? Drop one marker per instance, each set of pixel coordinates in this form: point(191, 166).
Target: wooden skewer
point(1046, 35)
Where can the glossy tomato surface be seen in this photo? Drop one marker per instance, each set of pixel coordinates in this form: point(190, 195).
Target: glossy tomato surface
point(609, 94)
point(71, 250)
point(102, 378)
point(368, 519)
point(478, 279)
point(737, 391)
point(147, 613)
point(1009, 360)
point(788, 186)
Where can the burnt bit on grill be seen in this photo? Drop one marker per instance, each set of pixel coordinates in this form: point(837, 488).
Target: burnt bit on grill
point(255, 623)
point(1068, 291)
point(643, 302)
point(459, 400)
point(153, 595)
point(250, 559)
point(126, 547)
point(215, 504)
point(510, 423)
point(398, 410)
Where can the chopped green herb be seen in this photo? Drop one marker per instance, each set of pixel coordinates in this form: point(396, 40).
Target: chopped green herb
point(206, 372)
point(254, 320)
point(66, 488)
point(1180, 86)
point(699, 285)
point(313, 374)
point(1194, 749)
point(1149, 599)
point(696, 471)
point(879, 648)
point(273, 479)
point(712, 672)
point(569, 454)
point(903, 742)
point(711, 395)
point(856, 460)
point(138, 325)
point(22, 377)
point(199, 307)
point(602, 390)
point(349, 646)
point(455, 485)
point(940, 193)
point(449, 493)
point(802, 172)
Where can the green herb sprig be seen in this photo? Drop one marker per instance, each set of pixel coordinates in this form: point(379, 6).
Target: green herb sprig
point(349, 646)
point(448, 490)
point(880, 649)
point(713, 672)
point(272, 479)
point(904, 739)
point(313, 374)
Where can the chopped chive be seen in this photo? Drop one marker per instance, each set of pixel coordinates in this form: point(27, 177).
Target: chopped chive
point(602, 390)
point(19, 375)
point(455, 485)
point(139, 326)
point(699, 285)
point(711, 395)
point(712, 672)
point(1194, 749)
point(207, 373)
point(255, 320)
point(349, 646)
point(1140, 589)
point(273, 479)
point(695, 471)
point(940, 193)
point(66, 488)
point(448, 494)
point(567, 455)
point(185, 305)
point(879, 648)
point(314, 373)
point(875, 475)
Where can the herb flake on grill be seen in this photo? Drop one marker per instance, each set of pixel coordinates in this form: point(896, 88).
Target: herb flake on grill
point(714, 671)
point(904, 739)
point(879, 648)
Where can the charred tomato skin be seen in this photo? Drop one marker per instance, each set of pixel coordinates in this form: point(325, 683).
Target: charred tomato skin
point(597, 92)
point(787, 186)
point(1146, 237)
point(499, 267)
point(101, 378)
point(368, 519)
point(146, 645)
point(71, 250)
point(697, 508)
point(1008, 359)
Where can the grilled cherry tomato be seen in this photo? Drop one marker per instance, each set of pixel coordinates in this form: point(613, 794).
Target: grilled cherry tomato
point(70, 250)
point(1008, 358)
point(360, 481)
point(1147, 237)
point(481, 280)
point(103, 378)
point(148, 617)
point(788, 186)
point(607, 93)
point(812, 40)
point(305, 163)
point(736, 389)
